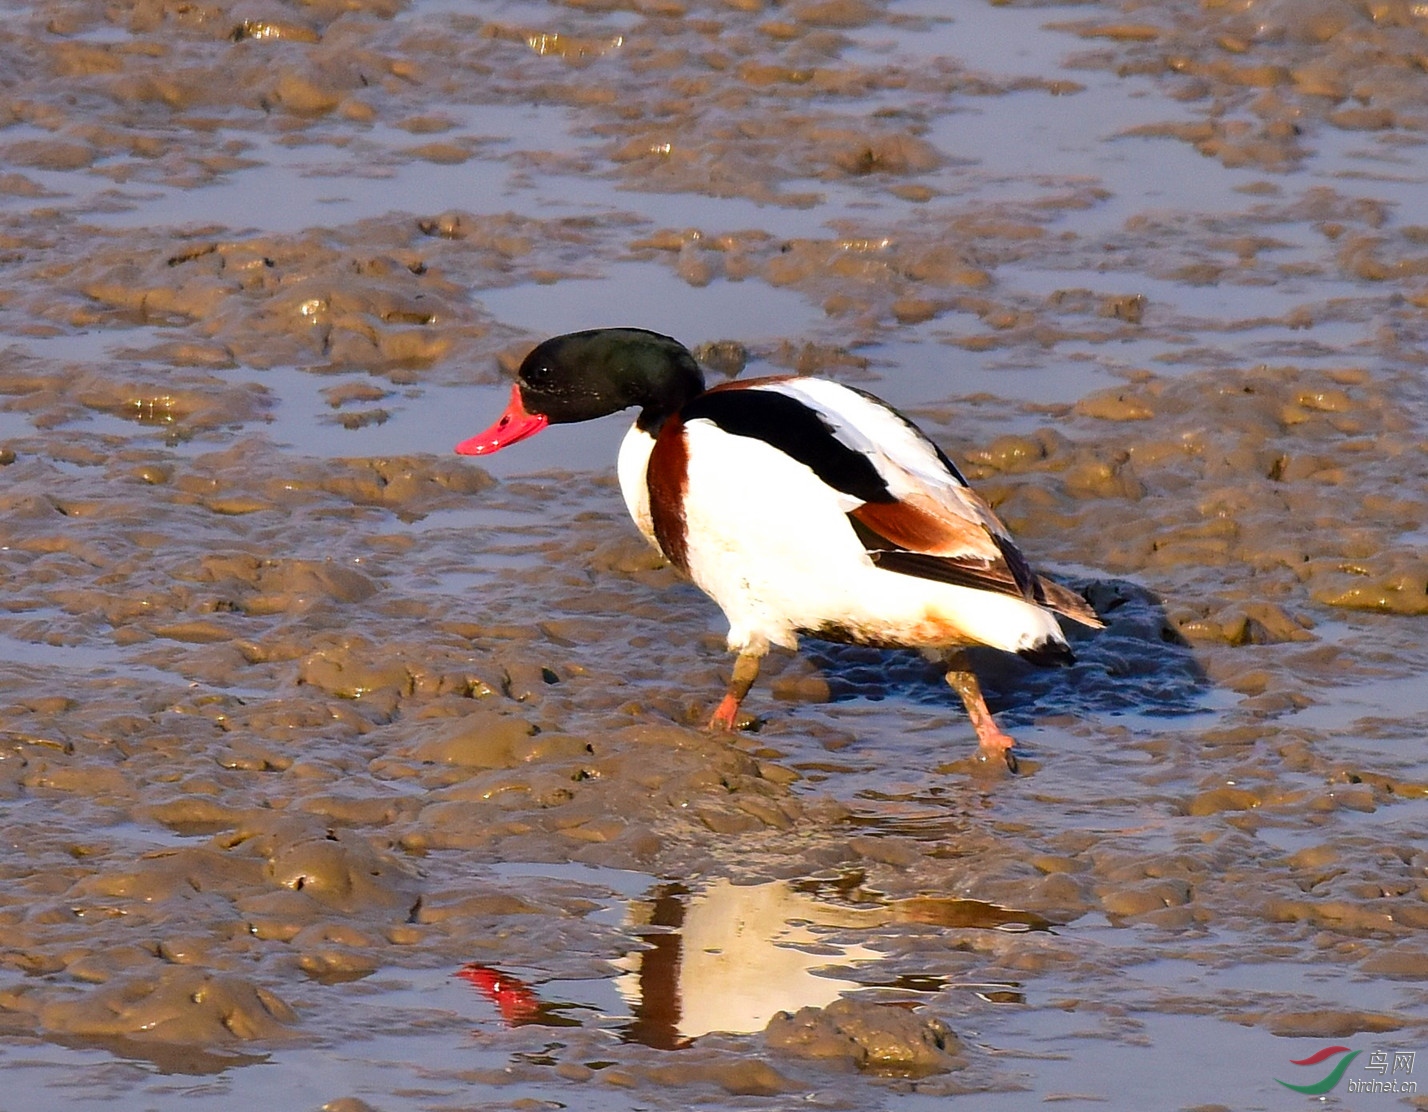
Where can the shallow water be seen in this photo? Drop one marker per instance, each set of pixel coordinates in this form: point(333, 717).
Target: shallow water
point(340, 772)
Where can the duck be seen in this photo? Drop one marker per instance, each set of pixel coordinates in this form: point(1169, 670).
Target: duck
point(802, 507)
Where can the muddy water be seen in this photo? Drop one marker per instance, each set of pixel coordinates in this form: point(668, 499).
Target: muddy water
point(338, 772)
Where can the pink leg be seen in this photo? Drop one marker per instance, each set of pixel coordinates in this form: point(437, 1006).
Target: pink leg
point(994, 745)
point(746, 670)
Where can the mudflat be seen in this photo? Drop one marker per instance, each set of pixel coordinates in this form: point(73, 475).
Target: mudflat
point(339, 772)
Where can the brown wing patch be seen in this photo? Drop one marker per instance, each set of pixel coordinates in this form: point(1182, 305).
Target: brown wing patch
point(667, 476)
point(923, 538)
point(927, 529)
point(965, 571)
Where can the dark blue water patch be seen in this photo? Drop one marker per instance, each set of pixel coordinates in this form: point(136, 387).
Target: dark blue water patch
point(1138, 664)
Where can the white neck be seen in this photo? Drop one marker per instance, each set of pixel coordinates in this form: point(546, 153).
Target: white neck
point(632, 467)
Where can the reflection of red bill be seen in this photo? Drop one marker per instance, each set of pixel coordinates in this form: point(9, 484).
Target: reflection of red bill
point(516, 1000)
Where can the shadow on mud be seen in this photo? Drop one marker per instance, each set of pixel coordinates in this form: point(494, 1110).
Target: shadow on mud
point(1138, 664)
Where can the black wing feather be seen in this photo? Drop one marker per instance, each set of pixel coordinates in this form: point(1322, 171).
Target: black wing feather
point(796, 430)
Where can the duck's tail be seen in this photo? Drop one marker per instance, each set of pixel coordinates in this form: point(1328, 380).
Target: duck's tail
point(1068, 603)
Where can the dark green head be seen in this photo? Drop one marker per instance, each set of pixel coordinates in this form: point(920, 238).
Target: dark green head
point(583, 375)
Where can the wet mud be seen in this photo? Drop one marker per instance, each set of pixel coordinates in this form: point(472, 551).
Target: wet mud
point(339, 772)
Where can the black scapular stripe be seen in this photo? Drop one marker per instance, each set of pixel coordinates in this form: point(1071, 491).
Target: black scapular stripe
point(795, 430)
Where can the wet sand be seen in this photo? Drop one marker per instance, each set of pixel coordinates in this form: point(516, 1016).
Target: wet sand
point(339, 772)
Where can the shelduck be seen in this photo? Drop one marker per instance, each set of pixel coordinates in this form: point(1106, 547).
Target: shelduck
point(800, 506)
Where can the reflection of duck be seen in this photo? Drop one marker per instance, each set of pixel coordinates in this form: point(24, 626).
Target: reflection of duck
point(729, 957)
point(800, 506)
